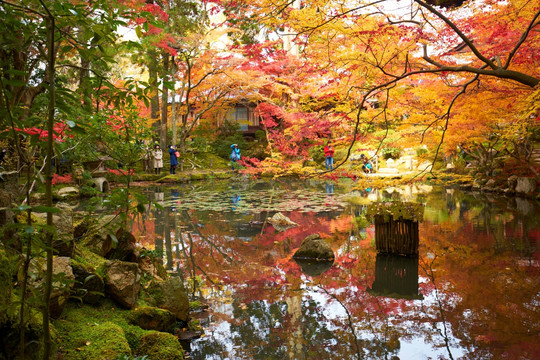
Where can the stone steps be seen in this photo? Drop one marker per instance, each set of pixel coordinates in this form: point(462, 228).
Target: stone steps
point(535, 157)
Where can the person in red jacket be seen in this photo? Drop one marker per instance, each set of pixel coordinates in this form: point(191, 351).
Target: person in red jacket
point(329, 155)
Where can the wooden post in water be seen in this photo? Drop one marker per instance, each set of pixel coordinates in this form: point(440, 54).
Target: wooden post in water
point(396, 227)
point(396, 236)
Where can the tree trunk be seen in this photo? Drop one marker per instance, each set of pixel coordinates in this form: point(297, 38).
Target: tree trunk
point(154, 98)
point(164, 103)
point(48, 190)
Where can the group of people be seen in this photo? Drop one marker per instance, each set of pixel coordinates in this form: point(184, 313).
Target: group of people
point(367, 166)
point(157, 159)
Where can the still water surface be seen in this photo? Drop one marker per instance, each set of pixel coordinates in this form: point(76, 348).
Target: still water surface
point(472, 293)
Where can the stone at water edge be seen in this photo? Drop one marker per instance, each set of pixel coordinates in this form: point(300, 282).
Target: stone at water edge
point(280, 222)
point(170, 295)
point(122, 282)
point(314, 247)
point(525, 185)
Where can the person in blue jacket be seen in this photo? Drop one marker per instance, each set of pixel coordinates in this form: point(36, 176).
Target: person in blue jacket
point(235, 154)
point(174, 160)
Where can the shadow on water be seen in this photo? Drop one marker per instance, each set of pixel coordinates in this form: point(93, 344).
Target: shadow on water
point(471, 292)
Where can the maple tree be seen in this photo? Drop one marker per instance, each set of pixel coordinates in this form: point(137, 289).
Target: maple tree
point(368, 51)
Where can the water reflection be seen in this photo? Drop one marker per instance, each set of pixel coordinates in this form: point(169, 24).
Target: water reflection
point(396, 276)
point(472, 292)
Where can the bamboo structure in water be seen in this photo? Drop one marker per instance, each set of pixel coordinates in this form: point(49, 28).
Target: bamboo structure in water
point(396, 236)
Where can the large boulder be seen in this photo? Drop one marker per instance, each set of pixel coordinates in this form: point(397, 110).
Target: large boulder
point(152, 267)
point(161, 346)
point(512, 182)
point(67, 192)
point(152, 318)
point(171, 295)
point(525, 185)
point(95, 234)
point(124, 248)
point(281, 222)
point(314, 247)
point(63, 243)
point(122, 282)
point(62, 284)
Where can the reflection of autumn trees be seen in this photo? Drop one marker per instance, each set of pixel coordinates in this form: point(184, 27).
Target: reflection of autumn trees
point(478, 297)
point(487, 304)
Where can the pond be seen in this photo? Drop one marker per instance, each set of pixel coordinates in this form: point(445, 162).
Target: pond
point(473, 292)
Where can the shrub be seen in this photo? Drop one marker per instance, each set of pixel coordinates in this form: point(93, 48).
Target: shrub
point(421, 151)
point(222, 146)
point(391, 153)
point(260, 135)
point(317, 153)
point(199, 144)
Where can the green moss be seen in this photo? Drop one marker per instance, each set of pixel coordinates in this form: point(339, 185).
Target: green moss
point(152, 318)
point(161, 346)
point(96, 341)
point(194, 305)
point(199, 176)
point(396, 210)
point(89, 260)
point(79, 324)
point(223, 175)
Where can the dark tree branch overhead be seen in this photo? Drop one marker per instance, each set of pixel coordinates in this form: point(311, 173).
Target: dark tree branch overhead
point(493, 68)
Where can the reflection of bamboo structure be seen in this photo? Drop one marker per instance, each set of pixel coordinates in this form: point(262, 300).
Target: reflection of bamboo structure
point(396, 236)
point(396, 276)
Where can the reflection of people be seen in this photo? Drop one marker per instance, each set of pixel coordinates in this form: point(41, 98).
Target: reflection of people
point(235, 199)
point(159, 196)
point(157, 154)
point(174, 160)
point(235, 154)
point(330, 188)
point(329, 156)
point(175, 195)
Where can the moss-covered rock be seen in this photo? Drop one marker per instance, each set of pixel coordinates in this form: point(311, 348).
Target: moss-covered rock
point(99, 232)
point(170, 295)
point(77, 319)
point(122, 282)
point(314, 247)
point(161, 346)
point(151, 318)
point(94, 341)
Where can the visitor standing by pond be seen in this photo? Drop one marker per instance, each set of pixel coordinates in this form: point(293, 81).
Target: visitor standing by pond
point(157, 154)
point(235, 154)
point(174, 158)
point(329, 156)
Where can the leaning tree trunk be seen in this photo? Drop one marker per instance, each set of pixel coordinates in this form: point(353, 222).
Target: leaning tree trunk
point(48, 188)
